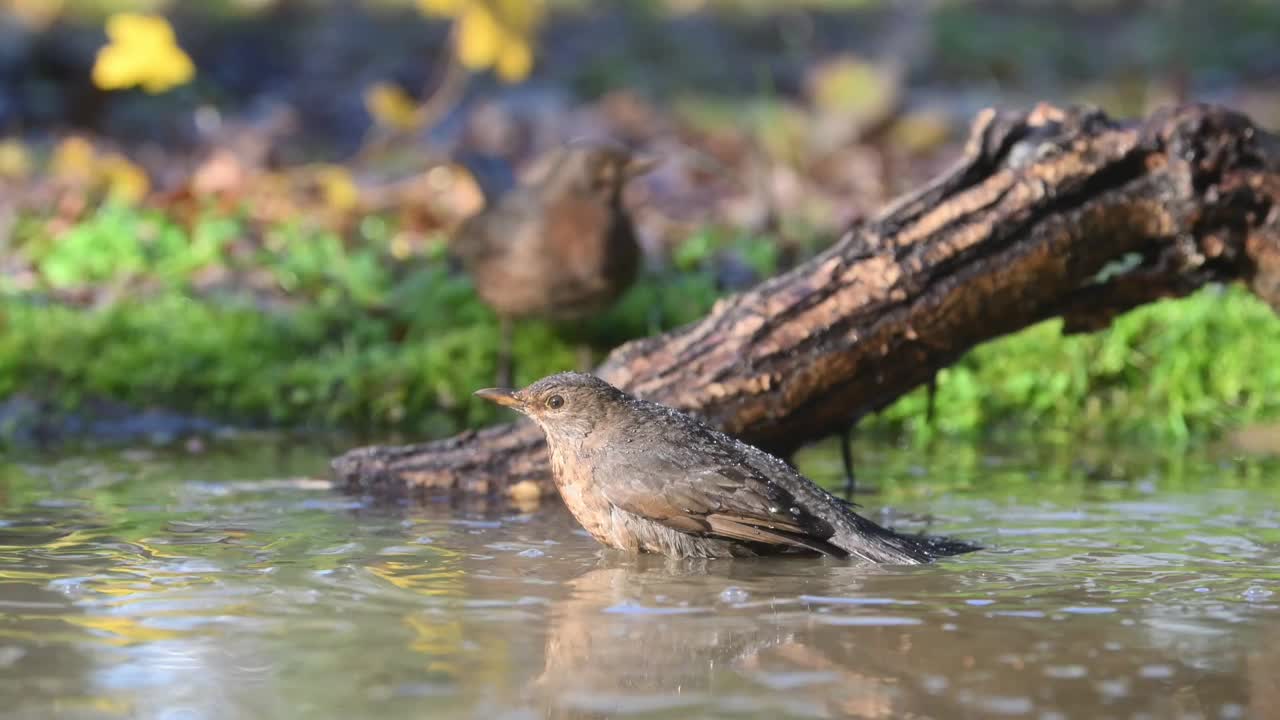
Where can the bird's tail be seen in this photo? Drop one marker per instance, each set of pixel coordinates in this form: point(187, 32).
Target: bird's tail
point(875, 543)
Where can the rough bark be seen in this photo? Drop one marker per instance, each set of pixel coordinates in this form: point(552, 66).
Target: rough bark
point(1031, 223)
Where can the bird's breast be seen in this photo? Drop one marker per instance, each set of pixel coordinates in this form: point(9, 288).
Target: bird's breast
point(583, 498)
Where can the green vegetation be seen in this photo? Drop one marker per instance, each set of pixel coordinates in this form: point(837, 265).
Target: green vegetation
point(1173, 370)
point(304, 328)
point(300, 330)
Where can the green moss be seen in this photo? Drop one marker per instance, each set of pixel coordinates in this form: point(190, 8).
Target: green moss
point(1171, 370)
point(328, 332)
point(324, 331)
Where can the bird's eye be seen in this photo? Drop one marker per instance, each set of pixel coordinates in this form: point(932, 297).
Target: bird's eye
point(555, 402)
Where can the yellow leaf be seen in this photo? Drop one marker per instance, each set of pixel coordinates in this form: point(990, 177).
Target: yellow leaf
point(391, 107)
point(515, 61)
point(445, 8)
point(479, 37)
point(921, 131)
point(141, 51)
point(73, 160)
point(337, 186)
point(401, 246)
point(124, 180)
point(520, 16)
point(852, 86)
point(494, 34)
point(15, 161)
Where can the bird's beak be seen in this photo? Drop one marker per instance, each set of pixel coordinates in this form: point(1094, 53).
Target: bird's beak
point(502, 396)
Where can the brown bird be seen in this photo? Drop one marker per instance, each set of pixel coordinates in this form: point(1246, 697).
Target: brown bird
point(563, 249)
point(645, 478)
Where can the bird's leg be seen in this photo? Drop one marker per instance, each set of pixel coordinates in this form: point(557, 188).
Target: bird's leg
point(504, 352)
point(655, 318)
point(846, 455)
point(655, 312)
point(586, 361)
point(652, 273)
point(846, 439)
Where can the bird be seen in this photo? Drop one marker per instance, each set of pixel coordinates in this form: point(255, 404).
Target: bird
point(643, 477)
point(563, 248)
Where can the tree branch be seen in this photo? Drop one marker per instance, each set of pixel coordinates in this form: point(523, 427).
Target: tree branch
point(1028, 225)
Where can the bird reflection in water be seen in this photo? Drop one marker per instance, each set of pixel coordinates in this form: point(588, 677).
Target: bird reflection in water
point(818, 638)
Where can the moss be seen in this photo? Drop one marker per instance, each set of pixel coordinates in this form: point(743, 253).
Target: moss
point(1172, 370)
point(303, 329)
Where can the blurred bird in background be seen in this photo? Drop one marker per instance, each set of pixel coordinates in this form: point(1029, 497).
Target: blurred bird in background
point(563, 248)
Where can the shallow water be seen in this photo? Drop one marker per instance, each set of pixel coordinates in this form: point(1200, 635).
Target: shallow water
point(140, 584)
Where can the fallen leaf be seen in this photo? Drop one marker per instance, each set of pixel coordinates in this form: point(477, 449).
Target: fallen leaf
point(338, 188)
point(392, 108)
point(73, 161)
point(124, 180)
point(15, 161)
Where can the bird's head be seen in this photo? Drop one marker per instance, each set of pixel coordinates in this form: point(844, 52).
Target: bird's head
point(597, 168)
point(566, 406)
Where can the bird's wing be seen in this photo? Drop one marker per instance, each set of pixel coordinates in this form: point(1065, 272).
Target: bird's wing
point(719, 497)
point(734, 529)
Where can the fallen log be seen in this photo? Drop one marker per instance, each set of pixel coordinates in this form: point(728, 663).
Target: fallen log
point(1054, 212)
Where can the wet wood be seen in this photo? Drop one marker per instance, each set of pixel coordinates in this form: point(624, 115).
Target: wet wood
point(1052, 212)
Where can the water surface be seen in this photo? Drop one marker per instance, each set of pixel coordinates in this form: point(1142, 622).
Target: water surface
point(234, 584)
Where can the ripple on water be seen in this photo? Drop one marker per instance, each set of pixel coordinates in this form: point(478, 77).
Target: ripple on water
point(637, 609)
point(868, 620)
point(1006, 705)
point(400, 550)
point(1257, 594)
point(1066, 672)
point(794, 680)
point(830, 600)
point(476, 524)
point(343, 549)
point(1087, 610)
point(1156, 672)
point(632, 704)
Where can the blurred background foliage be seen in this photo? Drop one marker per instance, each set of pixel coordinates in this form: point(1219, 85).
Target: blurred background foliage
point(238, 209)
